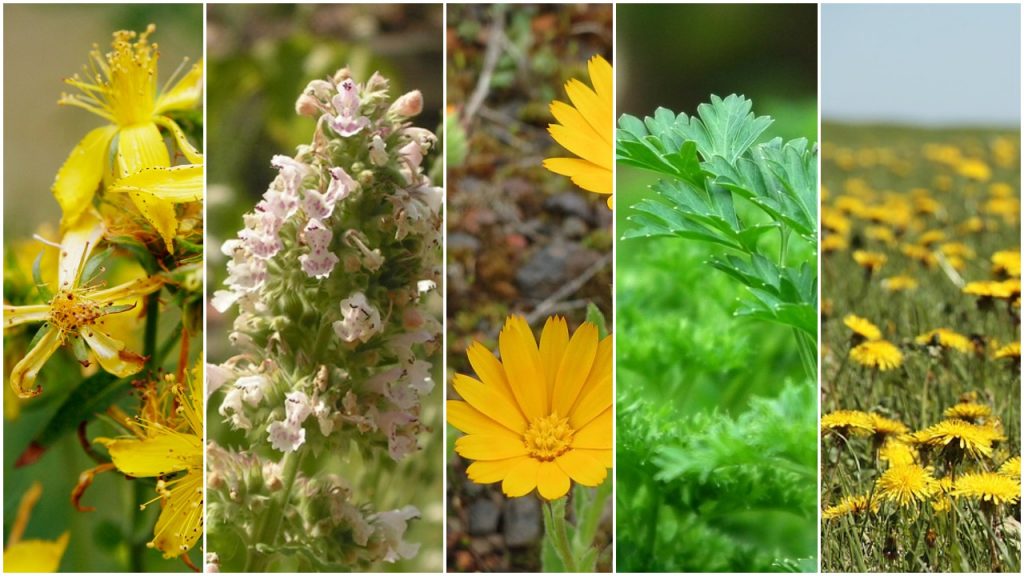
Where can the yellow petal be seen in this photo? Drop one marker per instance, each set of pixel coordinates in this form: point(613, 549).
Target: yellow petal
point(572, 119)
point(597, 434)
point(139, 287)
point(160, 214)
point(596, 394)
point(35, 555)
point(521, 360)
point(156, 455)
point(488, 472)
point(81, 174)
point(80, 239)
point(603, 457)
point(186, 94)
point(181, 521)
point(552, 482)
point(111, 355)
point(490, 372)
point(521, 479)
point(593, 150)
point(575, 367)
point(601, 78)
point(598, 112)
point(553, 341)
point(582, 468)
point(490, 446)
point(18, 315)
point(191, 154)
point(140, 146)
point(470, 420)
point(23, 376)
point(489, 402)
point(177, 184)
point(584, 174)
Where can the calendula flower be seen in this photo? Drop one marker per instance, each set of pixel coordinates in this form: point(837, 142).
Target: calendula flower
point(585, 129)
point(169, 446)
point(958, 435)
point(32, 555)
point(988, 487)
point(896, 452)
point(879, 354)
point(75, 315)
point(849, 506)
point(1009, 352)
point(1011, 468)
point(121, 87)
point(847, 422)
point(906, 484)
point(542, 415)
point(970, 411)
point(946, 338)
point(862, 327)
point(870, 261)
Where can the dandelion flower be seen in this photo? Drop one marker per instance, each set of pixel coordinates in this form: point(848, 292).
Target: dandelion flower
point(585, 129)
point(862, 327)
point(1011, 467)
point(848, 506)
point(969, 411)
point(887, 427)
point(121, 87)
point(906, 484)
point(943, 495)
point(1000, 290)
point(946, 338)
point(1009, 352)
point(76, 313)
point(32, 555)
point(1006, 263)
point(880, 354)
point(170, 442)
point(897, 453)
point(542, 415)
point(870, 261)
point(960, 435)
point(847, 422)
point(988, 487)
point(900, 283)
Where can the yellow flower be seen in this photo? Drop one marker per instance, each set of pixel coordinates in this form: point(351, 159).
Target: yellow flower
point(870, 261)
point(1003, 290)
point(1006, 263)
point(969, 411)
point(988, 487)
point(943, 495)
point(1011, 467)
point(862, 327)
point(586, 129)
point(32, 555)
point(972, 439)
point(946, 338)
point(880, 354)
point(121, 88)
point(76, 313)
point(885, 427)
point(848, 506)
point(899, 283)
point(906, 484)
point(847, 422)
point(1010, 352)
point(169, 441)
point(897, 452)
point(540, 416)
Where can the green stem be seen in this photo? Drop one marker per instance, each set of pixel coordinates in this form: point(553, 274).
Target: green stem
point(152, 323)
point(554, 527)
point(137, 550)
point(273, 516)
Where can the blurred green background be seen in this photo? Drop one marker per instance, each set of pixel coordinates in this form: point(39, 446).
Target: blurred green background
point(260, 58)
point(42, 46)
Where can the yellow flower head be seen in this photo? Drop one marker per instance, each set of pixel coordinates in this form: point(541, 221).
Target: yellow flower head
point(973, 439)
point(32, 555)
point(1006, 263)
point(1001, 290)
point(121, 87)
point(969, 411)
point(1009, 352)
point(887, 427)
point(862, 327)
point(906, 484)
point(988, 487)
point(900, 283)
point(168, 445)
point(879, 354)
point(870, 261)
point(897, 453)
point(585, 129)
point(847, 422)
point(1011, 468)
point(76, 313)
point(542, 415)
point(946, 338)
point(849, 506)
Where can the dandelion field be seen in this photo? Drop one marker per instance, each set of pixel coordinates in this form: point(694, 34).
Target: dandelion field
point(920, 385)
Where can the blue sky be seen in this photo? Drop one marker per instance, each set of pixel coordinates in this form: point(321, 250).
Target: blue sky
point(948, 64)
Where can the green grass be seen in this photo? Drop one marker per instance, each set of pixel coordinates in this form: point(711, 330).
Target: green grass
point(917, 538)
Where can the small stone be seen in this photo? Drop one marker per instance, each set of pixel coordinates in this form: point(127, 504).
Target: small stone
point(570, 204)
point(522, 522)
point(484, 515)
point(574, 227)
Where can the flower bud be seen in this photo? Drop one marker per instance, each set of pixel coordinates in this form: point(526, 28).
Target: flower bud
point(408, 105)
point(307, 105)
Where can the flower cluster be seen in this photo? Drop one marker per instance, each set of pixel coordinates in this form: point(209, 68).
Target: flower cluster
point(329, 276)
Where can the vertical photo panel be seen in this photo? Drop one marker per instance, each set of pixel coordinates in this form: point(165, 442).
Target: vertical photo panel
point(529, 292)
point(103, 288)
point(920, 390)
point(716, 288)
point(325, 447)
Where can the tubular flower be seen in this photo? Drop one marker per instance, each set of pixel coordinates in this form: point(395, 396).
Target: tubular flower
point(32, 555)
point(120, 87)
point(542, 415)
point(906, 483)
point(76, 313)
point(988, 487)
point(585, 129)
point(880, 354)
point(169, 441)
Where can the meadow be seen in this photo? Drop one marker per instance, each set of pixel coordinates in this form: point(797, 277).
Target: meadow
point(920, 397)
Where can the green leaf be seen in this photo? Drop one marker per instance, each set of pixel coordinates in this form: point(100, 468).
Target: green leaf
point(595, 317)
point(724, 128)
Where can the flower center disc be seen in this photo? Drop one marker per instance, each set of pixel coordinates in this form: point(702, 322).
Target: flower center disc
point(70, 311)
point(548, 437)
